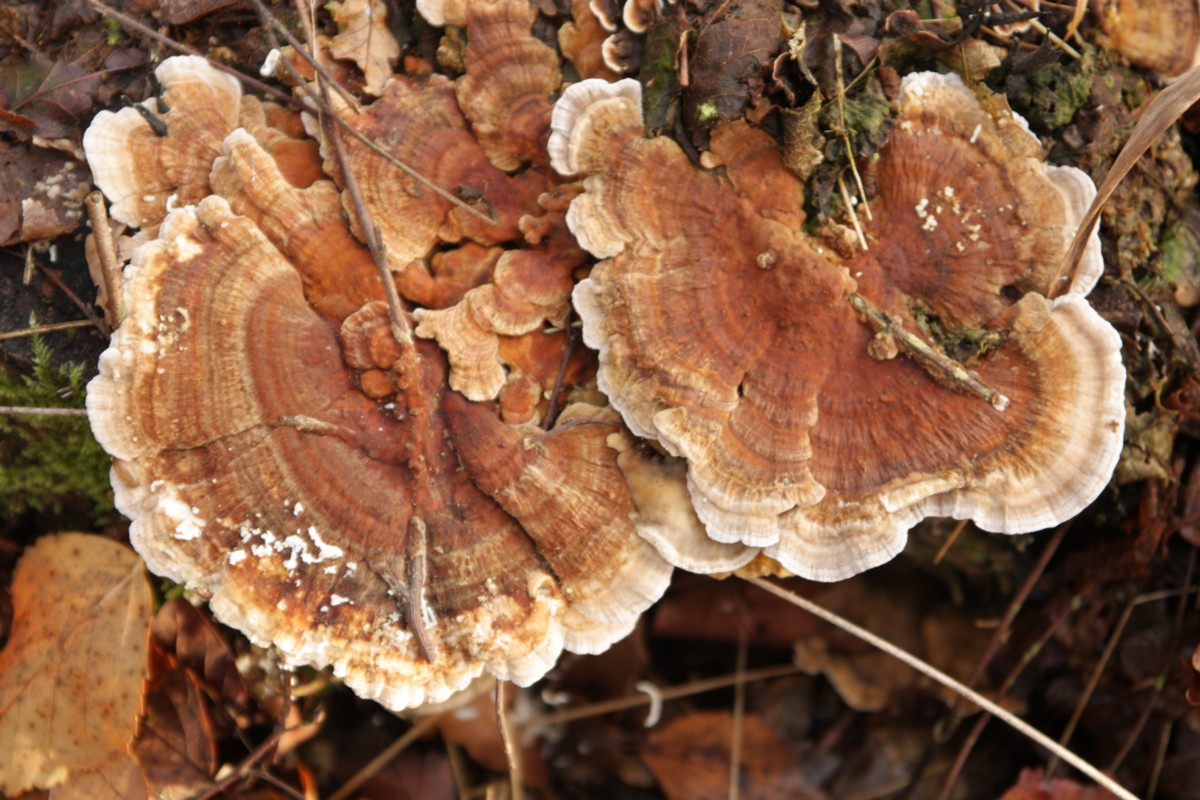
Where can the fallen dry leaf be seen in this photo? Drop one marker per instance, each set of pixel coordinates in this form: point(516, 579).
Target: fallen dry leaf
point(194, 641)
point(363, 37)
point(174, 745)
point(71, 675)
point(690, 758)
point(1031, 786)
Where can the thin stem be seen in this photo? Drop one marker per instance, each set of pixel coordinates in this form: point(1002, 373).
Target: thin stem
point(33, 411)
point(47, 328)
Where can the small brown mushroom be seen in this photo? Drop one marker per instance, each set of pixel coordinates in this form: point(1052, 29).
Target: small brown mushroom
point(825, 405)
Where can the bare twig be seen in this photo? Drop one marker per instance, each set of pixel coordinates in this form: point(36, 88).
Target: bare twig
point(512, 748)
point(34, 411)
point(48, 328)
point(110, 267)
point(674, 693)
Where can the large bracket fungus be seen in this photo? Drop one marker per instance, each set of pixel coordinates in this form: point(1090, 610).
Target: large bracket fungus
point(825, 404)
point(390, 506)
point(279, 451)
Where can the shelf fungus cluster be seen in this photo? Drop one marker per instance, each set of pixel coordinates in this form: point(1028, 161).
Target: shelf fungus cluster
point(416, 499)
point(825, 404)
point(283, 453)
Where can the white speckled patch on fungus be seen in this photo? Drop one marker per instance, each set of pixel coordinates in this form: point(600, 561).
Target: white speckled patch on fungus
point(791, 380)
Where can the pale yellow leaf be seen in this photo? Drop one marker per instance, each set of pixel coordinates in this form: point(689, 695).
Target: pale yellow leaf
point(71, 674)
point(363, 37)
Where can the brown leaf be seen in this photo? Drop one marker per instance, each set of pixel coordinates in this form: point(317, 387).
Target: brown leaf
point(1031, 786)
point(174, 744)
point(41, 193)
point(71, 675)
point(56, 96)
point(690, 758)
point(733, 42)
point(191, 637)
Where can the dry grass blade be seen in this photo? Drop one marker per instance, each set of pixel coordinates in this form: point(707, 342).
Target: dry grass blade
point(945, 680)
point(1157, 115)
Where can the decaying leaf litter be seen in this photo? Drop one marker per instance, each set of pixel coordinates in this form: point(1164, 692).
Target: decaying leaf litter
point(1084, 604)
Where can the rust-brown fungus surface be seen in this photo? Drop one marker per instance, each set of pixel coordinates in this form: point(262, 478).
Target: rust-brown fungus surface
point(147, 163)
point(334, 521)
point(825, 405)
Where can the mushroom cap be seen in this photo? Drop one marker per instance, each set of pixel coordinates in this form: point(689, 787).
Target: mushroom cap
point(142, 173)
point(256, 471)
point(510, 75)
point(729, 337)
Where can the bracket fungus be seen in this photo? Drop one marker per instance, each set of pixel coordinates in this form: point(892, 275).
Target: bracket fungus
point(281, 452)
point(825, 404)
point(341, 528)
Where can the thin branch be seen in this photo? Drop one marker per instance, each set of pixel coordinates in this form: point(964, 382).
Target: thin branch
point(932, 672)
point(48, 328)
point(34, 411)
point(674, 693)
point(512, 748)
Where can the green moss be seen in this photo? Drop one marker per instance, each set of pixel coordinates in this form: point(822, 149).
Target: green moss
point(1050, 97)
point(49, 464)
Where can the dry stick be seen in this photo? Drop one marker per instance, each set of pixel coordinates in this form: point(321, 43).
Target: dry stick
point(323, 105)
point(1156, 116)
point(512, 749)
point(48, 328)
point(932, 672)
point(419, 729)
point(674, 693)
point(150, 33)
point(1026, 659)
point(950, 540)
point(83, 307)
point(560, 378)
point(943, 369)
point(106, 251)
point(1160, 757)
point(265, 14)
point(34, 411)
point(1076, 18)
point(841, 102)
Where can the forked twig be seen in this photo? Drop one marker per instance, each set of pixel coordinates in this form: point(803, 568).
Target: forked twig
point(950, 683)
